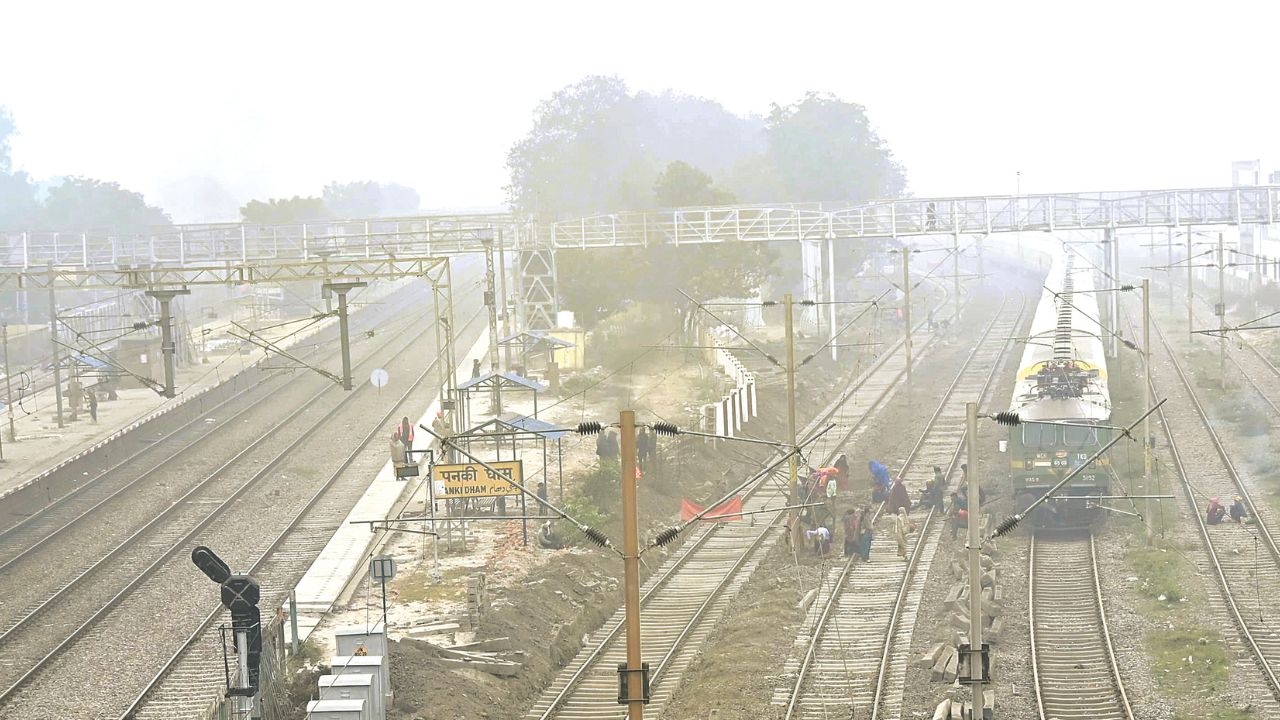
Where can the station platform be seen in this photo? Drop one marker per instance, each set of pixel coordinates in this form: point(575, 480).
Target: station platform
point(347, 553)
point(42, 446)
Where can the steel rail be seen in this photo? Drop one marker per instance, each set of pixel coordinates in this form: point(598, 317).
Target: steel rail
point(213, 514)
point(837, 589)
point(1078, 693)
point(747, 554)
point(289, 530)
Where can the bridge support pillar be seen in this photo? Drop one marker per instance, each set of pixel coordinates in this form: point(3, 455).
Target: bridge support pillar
point(811, 282)
point(830, 263)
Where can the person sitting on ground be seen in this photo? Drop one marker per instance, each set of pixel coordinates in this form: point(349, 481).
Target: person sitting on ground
point(1238, 513)
point(547, 537)
point(1215, 512)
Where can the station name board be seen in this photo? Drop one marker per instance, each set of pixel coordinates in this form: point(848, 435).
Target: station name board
point(475, 480)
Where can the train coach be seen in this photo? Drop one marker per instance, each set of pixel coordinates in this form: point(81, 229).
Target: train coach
point(1062, 378)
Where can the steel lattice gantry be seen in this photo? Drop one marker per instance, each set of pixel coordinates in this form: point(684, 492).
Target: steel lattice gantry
point(164, 279)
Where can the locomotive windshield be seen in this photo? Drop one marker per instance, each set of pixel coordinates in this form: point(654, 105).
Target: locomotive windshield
point(1039, 435)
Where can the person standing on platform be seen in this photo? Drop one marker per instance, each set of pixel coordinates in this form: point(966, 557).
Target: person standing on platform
point(406, 433)
point(91, 398)
point(397, 449)
point(75, 394)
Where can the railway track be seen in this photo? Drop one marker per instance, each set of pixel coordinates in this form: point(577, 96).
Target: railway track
point(1072, 660)
point(858, 629)
point(1243, 559)
point(115, 464)
point(143, 587)
point(684, 600)
point(120, 471)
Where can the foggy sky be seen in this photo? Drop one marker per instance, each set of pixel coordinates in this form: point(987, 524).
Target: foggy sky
point(235, 100)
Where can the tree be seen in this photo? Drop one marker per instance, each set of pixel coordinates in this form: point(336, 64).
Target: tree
point(599, 282)
point(682, 184)
point(370, 199)
point(7, 130)
point(595, 147)
point(824, 148)
point(285, 211)
point(80, 204)
point(18, 207)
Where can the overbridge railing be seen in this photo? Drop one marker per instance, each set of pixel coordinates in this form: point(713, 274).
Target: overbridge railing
point(388, 238)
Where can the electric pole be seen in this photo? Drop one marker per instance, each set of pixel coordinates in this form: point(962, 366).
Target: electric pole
point(168, 347)
point(1146, 402)
point(1221, 312)
point(8, 382)
point(1191, 323)
point(53, 336)
point(955, 269)
point(906, 311)
point(633, 674)
point(789, 324)
point(976, 678)
point(342, 287)
point(491, 300)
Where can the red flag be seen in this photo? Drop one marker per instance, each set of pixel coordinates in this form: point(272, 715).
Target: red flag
point(724, 512)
